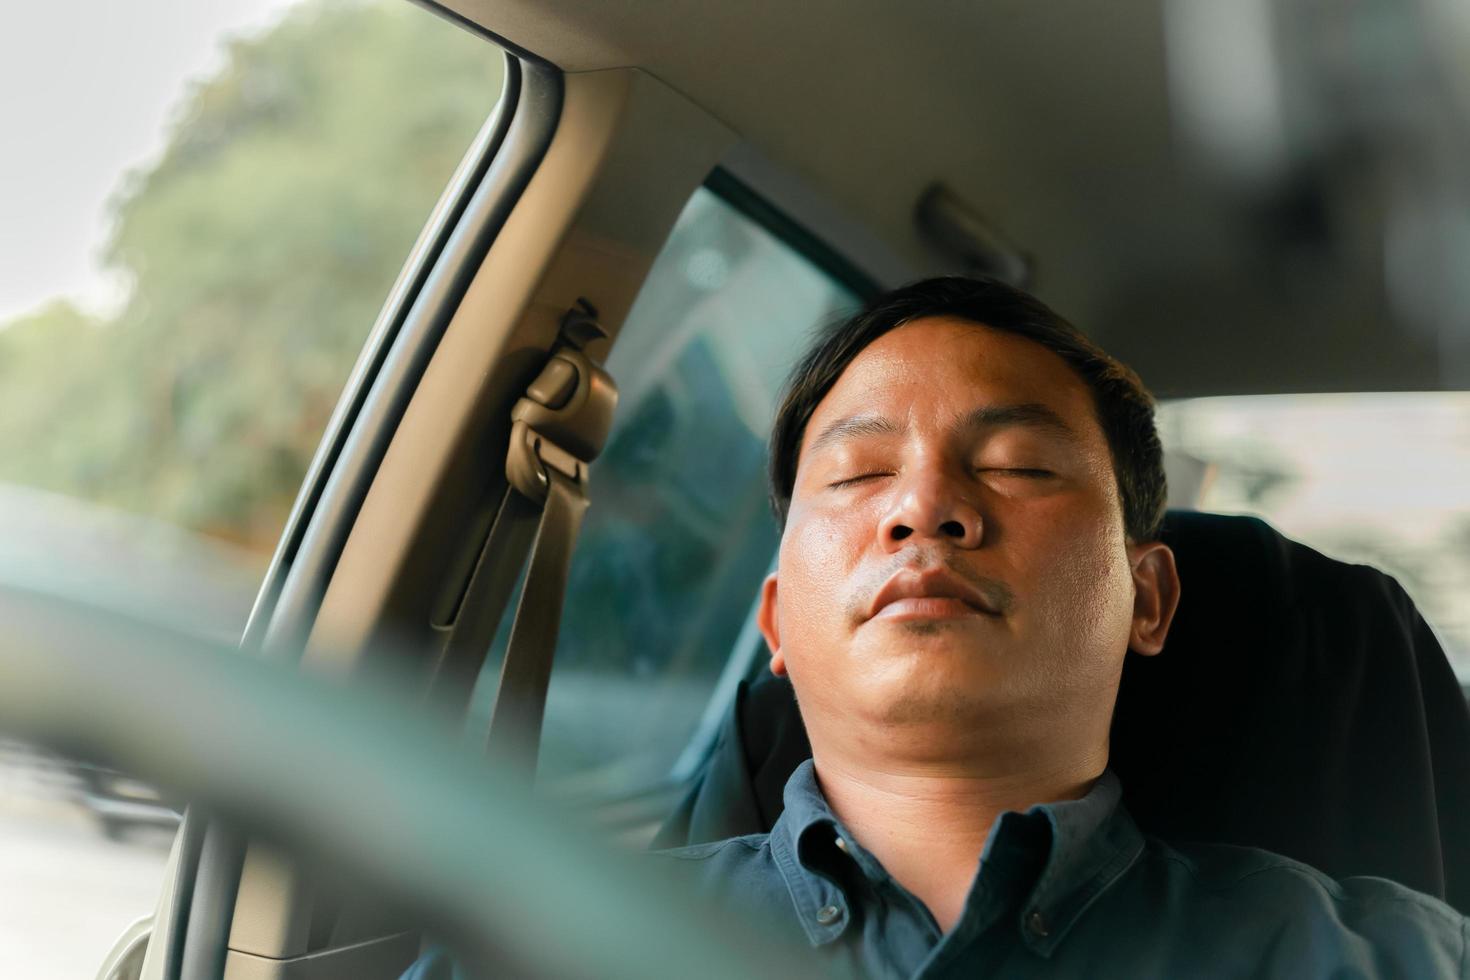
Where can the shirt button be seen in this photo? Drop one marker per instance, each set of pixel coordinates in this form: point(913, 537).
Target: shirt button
point(842, 845)
point(828, 914)
point(1036, 924)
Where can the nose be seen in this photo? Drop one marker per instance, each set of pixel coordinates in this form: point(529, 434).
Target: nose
point(930, 504)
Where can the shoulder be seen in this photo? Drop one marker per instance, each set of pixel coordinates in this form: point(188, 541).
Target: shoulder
point(739, 875)
point(1247, 883)
point(1230, 868)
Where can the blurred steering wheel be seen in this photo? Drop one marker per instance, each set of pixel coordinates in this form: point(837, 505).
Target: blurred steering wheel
point(289, 756)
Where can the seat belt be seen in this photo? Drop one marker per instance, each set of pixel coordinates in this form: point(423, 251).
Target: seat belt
point(558, 428)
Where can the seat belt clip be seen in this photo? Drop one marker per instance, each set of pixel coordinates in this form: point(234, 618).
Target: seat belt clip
point(562, 421)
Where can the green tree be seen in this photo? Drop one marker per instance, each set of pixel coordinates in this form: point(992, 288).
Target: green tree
point(259, 248)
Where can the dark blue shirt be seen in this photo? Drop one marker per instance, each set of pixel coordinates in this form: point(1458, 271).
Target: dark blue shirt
point(1074, 889)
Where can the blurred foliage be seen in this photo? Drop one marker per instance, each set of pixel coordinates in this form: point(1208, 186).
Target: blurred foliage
point(258, 249)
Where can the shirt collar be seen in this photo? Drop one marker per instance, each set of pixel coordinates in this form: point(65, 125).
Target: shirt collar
point(821, 904)
point(1087, 845)
point(1093, 841)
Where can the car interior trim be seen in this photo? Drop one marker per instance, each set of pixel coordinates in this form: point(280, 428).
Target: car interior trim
point(626, 153)
point(166, 944)
point(431, 245)
point(511, 48)
point(531, 125)
point(212, 900)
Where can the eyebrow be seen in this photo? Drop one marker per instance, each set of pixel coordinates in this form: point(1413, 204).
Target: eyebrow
point(852, 427)
point(1032, 415)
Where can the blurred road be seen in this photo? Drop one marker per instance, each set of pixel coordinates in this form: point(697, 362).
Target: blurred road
point(66, 891)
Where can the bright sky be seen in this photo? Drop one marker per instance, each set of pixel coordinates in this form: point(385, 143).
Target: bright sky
point(88, 88)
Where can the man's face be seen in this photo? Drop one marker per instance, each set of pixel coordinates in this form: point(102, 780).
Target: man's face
point(954, 554)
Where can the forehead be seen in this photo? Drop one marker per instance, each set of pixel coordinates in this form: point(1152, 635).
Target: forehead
point(939, 368)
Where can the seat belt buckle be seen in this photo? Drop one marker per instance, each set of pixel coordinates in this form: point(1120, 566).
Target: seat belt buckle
point(563, 420)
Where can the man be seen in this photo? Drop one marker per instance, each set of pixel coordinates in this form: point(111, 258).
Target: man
point(971, 494)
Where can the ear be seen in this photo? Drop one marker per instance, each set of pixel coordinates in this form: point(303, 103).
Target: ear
point(770, 624)
point(1155, 596)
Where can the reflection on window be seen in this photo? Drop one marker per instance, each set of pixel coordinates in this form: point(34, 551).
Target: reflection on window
point(678, 535)
point(1382, 479)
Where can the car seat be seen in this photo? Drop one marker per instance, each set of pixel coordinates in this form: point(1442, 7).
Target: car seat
point(1301, 705)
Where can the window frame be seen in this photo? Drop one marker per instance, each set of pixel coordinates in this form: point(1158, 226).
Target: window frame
point(749, 201)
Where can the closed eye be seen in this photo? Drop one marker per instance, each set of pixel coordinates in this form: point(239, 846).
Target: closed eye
point(860, 478)
point(1022, 472)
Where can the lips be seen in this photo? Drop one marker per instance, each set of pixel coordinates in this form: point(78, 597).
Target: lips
point(931, 592)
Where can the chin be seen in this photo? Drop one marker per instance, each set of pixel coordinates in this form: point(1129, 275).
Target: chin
point(928, 647)
point(929, 627)
point(949, 709)
point(944, 686)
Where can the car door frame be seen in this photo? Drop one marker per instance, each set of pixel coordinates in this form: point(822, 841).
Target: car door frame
point(549, 222)
point(204, 867)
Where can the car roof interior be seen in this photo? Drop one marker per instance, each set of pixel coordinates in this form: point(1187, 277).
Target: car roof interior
point(1054, 122)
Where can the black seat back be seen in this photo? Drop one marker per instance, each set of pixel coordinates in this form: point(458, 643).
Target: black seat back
point(1301, 705)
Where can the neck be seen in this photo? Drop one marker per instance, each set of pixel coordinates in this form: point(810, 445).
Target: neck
point(927, 821)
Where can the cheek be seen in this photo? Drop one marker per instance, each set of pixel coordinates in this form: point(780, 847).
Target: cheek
point(818, 551)
point(1087, 578)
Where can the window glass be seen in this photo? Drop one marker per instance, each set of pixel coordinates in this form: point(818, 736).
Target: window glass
point(170, 357)
point(1382, 479)
point(203, 208)
point(678, 534)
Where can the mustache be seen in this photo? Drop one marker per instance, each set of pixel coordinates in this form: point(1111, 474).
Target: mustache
point(997, 594)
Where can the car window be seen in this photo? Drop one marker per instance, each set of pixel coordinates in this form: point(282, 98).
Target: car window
point(1382, 479)
point(204, 207)
point(167, 370)
point(678, 534)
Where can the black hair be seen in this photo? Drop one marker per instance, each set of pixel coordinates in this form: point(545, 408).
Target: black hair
point(1125, 409)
